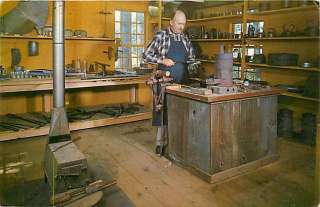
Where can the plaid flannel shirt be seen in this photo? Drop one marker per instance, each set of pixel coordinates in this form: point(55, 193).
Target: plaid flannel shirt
point(158, 48)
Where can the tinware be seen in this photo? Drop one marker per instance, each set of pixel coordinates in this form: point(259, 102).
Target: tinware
point(33, 48)
point(259, 59)
point(272, 32)
point(283, 59)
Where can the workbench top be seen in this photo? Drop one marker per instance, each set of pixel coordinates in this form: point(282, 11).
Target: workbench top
point(20, 85)
point(212, 98)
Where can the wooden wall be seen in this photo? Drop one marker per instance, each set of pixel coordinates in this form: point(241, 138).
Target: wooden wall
point(78, 15)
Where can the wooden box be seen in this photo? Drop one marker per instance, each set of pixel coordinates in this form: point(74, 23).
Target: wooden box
point(219, 140)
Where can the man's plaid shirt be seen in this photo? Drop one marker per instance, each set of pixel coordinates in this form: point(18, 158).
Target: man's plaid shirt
point(158, 48)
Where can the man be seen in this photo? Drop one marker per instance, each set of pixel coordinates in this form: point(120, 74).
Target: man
point(170, 49)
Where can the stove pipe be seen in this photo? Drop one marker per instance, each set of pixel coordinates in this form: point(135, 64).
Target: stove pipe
point(59, 126)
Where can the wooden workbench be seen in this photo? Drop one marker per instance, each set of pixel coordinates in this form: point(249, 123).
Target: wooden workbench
point(45, 86)
point(221, 136)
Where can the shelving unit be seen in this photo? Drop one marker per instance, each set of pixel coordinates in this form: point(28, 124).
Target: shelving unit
point(296, 68)
point(284, 38)
point(279, 44)
point(50, 38)
point(96, 121)
point(208, 18)
point(213, 61)
point(294, 95)
point(304, 46)
point(284, 10)
point(216, 40)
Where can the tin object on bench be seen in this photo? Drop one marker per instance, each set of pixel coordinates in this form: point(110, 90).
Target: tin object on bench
point(224, 62)
point(68, 33)
point(285, 123)
point(33, 48)
point(308, 128)
point(80, 33)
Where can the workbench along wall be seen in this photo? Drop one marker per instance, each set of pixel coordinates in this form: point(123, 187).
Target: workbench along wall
point(95, 17)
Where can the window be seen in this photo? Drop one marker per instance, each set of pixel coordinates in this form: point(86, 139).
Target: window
point(129, 27)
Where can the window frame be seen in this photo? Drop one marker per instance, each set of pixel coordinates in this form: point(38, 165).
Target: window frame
point(131, 33)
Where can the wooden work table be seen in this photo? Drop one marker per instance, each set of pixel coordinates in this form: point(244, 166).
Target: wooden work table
point(220, 136)
point(22, 85)
point(45, 86)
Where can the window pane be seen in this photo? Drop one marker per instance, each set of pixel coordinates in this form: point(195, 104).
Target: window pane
point(125, 52)
point(120, 51)
point(134, 39)
point(117, 15)
point(133, 17)
point(134, 62)
point(139, 61)
point(140, 40)
point(250, 51)
point(118, 63)
point(140, 17)
point(140, 51)
point(133, 28)
point(134, 52)
point(237, 29)
point(140, 28)
point(124, 38)
point(125, 16)
point(117, 35)
point(126, 63)
point(125, 28)
point(117, 27)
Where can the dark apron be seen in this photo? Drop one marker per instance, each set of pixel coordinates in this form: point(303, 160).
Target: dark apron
point(178, 53)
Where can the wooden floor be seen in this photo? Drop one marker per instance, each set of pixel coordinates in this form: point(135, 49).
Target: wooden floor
point(126, 152)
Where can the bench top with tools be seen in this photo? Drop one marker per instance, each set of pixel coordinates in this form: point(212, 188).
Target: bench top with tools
point(201, 95)
point(20, 85)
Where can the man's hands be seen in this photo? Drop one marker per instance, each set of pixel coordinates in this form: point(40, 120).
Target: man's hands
point(167, 62)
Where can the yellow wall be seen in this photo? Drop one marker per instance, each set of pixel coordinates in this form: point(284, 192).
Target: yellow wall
point(84, 15)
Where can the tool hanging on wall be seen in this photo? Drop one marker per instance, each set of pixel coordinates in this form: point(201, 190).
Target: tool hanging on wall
point(15, 57)
point(104, 13)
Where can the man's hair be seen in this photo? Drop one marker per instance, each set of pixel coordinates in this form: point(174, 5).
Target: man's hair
point(175, 12)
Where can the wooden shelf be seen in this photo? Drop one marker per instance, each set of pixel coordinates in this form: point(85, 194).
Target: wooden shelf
point(24, 85)
point(87, 124)
point(294, 95)
point(207, 18)
point(286, 10)
point(207, 61)
point(50, 38)
point(285, 67)
point(165, 19)
point(213, 61)
point(284, 38)
point(215, 40)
